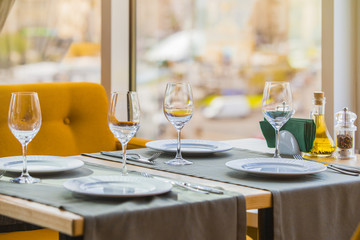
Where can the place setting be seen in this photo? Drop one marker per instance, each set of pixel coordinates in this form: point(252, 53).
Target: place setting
point(124, 121)
point(24, 121)
point(178, 107)
point(278, 109)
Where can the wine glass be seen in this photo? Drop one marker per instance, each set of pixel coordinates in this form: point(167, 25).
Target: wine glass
point(277, 107)
point(178, 108)
point(124, 119)
point(24, 122)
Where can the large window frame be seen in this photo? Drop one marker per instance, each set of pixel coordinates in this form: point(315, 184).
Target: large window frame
point(340, 57)
point(340, 52)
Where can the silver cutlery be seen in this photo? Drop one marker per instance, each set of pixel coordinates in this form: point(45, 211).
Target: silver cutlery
point(134, 156)
point(151, 158)
point(190, 186)
point(173, 182)
point(341, 169)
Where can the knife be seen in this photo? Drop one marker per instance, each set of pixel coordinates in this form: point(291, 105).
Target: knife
point(186, 184)
point(346, 168)
point(131, 158)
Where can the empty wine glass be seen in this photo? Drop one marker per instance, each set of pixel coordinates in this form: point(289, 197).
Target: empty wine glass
point(24, 122)
point(124, 119)
point(277, 107)
point(178, 108)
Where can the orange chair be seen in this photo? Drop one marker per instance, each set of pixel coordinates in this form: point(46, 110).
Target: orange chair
point(356, 235)
point(74, 121)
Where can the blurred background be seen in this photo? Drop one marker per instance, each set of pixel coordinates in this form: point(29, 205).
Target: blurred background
point(226, 49)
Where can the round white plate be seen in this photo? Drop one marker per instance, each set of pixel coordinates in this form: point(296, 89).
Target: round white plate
point(40, 164)
point(117, 186)
point(189, 146)
point(279, 167)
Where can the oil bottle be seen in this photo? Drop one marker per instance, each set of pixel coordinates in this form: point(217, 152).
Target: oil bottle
point(323, 144)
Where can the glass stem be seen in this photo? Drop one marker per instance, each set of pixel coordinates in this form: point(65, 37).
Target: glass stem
point(277, 139)
point(25, 169)
point(124, 168)
point(178, 149)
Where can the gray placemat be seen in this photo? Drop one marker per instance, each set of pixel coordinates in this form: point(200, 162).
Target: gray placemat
point(317, 206)
point(180, 214)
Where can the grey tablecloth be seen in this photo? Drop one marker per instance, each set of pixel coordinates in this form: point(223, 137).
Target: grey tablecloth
point(321, 206)
point(180, 214)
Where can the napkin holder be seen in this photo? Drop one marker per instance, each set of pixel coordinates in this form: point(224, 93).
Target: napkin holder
point(288, 144)
point(304, 131)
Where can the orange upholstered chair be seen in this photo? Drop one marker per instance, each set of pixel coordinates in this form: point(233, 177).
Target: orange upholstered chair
point(356, 235)
point(74, 121)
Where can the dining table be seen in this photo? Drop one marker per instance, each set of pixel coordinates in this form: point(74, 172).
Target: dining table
point(263, 202)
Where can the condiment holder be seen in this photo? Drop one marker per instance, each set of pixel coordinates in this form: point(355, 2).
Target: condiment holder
point(345, 134)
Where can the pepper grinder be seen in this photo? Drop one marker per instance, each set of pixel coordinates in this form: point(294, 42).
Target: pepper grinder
point(345, 134)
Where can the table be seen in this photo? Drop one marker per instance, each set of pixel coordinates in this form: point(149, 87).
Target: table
point(71, 225)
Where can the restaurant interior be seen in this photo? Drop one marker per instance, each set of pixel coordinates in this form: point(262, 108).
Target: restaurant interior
point(191, 119)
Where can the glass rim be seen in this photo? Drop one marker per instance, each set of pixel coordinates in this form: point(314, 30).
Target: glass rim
point(24, 93)
point(277, 82)
point(122, 92)
point(178, 82)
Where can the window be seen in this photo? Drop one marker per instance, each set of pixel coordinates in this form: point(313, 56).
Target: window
point(226, 49)
point(51, 40)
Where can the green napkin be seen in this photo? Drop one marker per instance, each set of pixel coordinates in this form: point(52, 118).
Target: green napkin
point(304, 131)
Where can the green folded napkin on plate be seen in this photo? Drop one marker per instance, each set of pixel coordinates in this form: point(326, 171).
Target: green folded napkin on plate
point(304, 130)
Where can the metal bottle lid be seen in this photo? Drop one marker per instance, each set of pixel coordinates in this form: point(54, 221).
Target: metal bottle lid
point(346, 119)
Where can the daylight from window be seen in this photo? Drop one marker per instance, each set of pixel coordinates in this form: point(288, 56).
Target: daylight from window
point(51, 41)
point(226, 49)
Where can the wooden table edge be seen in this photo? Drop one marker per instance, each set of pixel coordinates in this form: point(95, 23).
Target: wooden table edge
point(42, 215)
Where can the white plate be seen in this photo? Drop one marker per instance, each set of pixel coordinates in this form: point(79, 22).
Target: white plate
point(279, 167)
point(40, 164)
point(189, 146)
point(117, 186)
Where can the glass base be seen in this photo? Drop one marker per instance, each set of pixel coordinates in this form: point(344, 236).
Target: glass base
point(178, 162)
point(124, 173)
point(27, 179)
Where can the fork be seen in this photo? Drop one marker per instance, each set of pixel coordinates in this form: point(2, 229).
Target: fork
point(173, 182)
point(138, 156)
point(150, 159)
point(331, 166)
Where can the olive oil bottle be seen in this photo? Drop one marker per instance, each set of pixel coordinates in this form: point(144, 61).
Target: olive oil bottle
point(323, 144)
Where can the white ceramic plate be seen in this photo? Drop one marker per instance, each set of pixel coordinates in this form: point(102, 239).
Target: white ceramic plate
point(281, 167)
point(117, 186)
point(40, 164)
point(189, 146)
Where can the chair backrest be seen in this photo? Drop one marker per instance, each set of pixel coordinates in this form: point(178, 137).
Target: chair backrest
point(74, 120)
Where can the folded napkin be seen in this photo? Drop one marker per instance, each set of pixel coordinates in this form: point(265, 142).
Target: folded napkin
point(304, 130)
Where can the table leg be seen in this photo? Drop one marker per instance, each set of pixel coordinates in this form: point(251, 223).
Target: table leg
point(67, 237)
point(266, 224)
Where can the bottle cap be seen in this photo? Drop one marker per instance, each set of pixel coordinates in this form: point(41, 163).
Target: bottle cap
point(319, 97)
